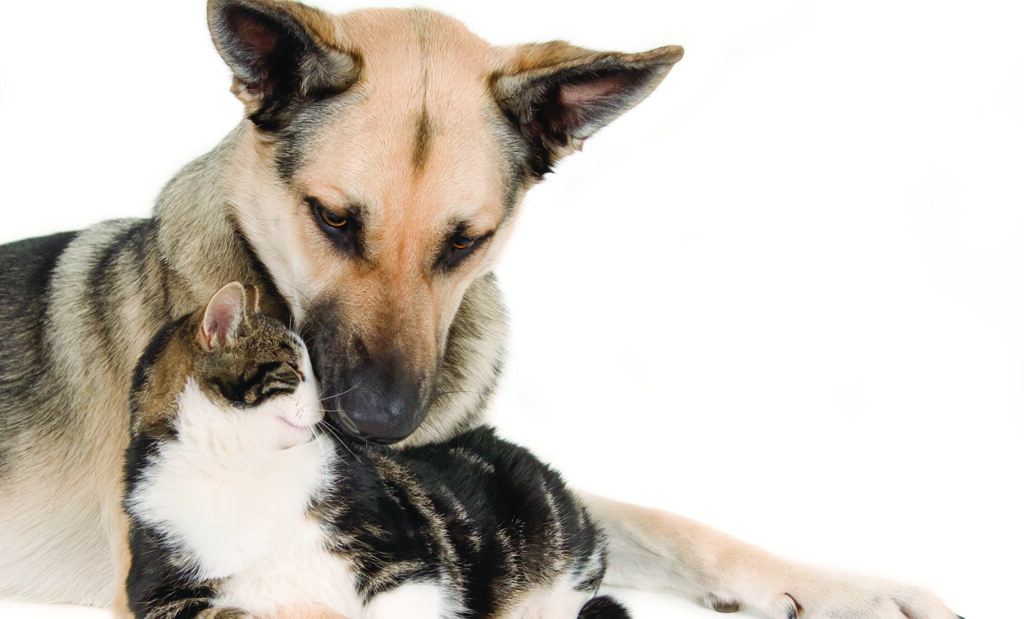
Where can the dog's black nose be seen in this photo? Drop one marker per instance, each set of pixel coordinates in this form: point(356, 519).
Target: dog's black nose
point(375, 421)
point(379, 402)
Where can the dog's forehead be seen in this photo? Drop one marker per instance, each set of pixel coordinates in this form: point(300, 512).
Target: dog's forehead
point(389, 34)
point(419, 137)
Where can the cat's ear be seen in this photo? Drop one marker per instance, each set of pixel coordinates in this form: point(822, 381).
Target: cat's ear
point(252, 299)
point(223, 316)
point(558, 95)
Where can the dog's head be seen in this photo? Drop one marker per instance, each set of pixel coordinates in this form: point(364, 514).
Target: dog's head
point(382, 163)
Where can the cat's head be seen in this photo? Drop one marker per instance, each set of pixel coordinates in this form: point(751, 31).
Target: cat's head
point(228, 373)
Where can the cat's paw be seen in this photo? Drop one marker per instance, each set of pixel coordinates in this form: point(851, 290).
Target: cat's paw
point(814, 594)
point(308, 611)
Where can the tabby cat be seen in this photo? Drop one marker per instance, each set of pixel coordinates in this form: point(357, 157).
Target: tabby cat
point(242, 505)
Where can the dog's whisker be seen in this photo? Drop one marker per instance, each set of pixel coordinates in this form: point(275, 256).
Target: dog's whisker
point(298, 291)
point(341, 393)
point(456, 392)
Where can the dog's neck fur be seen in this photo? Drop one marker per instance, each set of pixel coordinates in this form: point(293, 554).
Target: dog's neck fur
point(197, 199)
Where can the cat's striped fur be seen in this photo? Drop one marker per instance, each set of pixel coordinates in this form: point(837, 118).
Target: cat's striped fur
point(237, 506)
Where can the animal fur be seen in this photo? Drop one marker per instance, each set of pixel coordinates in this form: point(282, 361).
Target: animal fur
point(236, 500)
point(368, 192)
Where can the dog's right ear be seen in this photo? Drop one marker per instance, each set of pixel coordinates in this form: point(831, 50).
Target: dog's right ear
point(558, 95)
point(279, 57)
point(224, 315)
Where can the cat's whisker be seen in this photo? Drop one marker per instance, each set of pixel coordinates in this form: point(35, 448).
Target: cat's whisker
point(334, 433)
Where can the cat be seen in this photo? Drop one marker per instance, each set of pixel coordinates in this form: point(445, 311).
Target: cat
point(241, 504)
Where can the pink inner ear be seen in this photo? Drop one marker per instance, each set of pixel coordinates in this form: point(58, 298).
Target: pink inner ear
point(223, 315)
point(590, 92)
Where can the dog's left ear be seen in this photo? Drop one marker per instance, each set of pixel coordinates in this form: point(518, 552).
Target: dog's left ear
point(280, 55)
point(558, 95)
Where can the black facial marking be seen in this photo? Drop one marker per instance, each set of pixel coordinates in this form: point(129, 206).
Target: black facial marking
point(257, 384)
point(459, 247)
point(294, 142)
point(344, 229)
point(421, 145)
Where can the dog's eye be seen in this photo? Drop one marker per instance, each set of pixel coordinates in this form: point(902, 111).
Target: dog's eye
point(327, 217)
point(460, 247)
point(342, 230)
point(333, 220)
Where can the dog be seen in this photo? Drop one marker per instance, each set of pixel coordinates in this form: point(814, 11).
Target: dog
point(367, 192)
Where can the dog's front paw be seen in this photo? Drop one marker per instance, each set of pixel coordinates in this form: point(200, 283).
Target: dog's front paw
point(814, 594)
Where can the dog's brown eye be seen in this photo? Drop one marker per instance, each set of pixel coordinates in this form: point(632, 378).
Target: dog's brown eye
point(458, 248)
point(344, 230)
point(333, 220)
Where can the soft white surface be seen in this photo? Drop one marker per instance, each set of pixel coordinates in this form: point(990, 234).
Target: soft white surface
point(784, 296)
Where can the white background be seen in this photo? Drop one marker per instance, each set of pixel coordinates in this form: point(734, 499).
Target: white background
point(784, 296)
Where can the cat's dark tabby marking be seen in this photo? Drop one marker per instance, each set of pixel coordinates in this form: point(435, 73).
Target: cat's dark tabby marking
point(239, 507)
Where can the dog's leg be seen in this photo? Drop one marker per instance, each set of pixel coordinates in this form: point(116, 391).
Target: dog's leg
point(117, 534)
point(652, 549)
point(122, 563)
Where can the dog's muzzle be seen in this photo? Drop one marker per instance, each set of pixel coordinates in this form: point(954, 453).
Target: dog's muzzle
point(378, 402)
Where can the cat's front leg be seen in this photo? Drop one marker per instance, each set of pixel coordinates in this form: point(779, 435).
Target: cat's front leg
point(194, 608)
point(225, 612)
point(652, 549)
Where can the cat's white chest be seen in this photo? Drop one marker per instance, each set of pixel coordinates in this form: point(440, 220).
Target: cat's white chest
point(242, 516)
point(293, 576)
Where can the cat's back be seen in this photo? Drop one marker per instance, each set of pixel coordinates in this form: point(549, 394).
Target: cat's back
point(481, 513)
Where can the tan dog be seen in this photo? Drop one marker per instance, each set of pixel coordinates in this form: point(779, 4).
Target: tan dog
point(368, 192)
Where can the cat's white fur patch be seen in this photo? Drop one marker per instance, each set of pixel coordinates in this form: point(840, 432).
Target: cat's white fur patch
point(230, 497)
point(227, 495)
point(414, 600)
point(558, 601)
